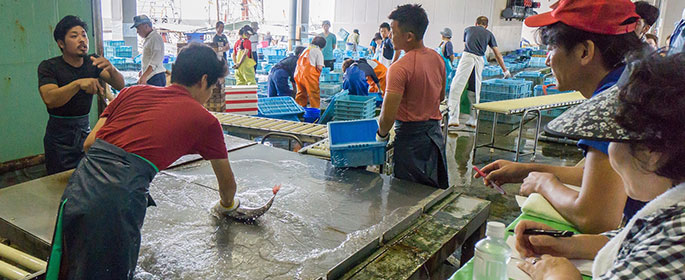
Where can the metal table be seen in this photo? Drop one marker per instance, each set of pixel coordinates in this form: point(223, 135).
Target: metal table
point(325, 223)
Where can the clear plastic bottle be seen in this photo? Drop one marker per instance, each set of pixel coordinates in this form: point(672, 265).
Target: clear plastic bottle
point(492, 254)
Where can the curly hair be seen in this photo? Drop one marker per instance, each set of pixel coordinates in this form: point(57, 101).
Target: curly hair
point(653, 101)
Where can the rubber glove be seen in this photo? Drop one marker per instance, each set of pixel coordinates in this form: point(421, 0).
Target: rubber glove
point(507, 74)
point(220, 210)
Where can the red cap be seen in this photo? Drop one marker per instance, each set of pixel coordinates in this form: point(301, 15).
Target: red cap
point(596, 16)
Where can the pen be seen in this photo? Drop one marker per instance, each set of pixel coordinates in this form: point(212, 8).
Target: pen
point(553, 233)
point(492, 184)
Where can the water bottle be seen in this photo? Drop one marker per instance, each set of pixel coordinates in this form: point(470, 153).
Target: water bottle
point(492, 254)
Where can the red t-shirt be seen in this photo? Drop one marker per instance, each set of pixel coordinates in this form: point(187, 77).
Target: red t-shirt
point(420, 78)
point(161, 125)
point(247, 45)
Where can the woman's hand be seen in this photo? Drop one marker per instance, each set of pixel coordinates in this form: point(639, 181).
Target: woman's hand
point(550, 268)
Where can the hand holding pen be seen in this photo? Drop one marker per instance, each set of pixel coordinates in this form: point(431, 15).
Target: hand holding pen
point(490, 183)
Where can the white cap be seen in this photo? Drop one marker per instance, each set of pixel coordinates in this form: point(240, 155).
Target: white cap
point(495, 230)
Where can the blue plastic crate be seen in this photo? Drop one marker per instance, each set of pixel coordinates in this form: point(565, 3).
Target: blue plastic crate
point(114, 43)
point(124, 51)
point(537, 62)
point(541, 90)
point(353, 143)
point(490, 71)
point(511, 86)
point(330, 77)
point(550, 80)
point(379, 98)
point(329, 89)
point(534, 76)
point(278, 107)
point(356, 103)
point(488, 96)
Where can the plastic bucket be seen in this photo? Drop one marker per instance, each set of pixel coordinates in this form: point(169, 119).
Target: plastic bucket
point(311, 114)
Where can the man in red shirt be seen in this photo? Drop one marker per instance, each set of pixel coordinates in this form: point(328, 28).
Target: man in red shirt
point(415, 88)
point(144, 130)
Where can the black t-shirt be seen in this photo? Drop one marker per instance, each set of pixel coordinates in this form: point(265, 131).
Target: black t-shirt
point(59, 72)
point(288, 64)
point(363, 65)
point(221, 41)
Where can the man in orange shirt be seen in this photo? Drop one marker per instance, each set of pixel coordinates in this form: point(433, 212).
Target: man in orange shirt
point(415, 88)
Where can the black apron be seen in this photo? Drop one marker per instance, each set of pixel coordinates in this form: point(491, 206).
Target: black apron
point(102, 211)
point(63, 142)
point(419, 154)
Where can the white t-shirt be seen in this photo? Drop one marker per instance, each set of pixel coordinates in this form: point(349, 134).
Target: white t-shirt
point(153, 54)
point(315, 56)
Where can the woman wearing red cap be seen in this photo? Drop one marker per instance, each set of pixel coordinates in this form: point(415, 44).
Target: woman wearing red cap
point(586, 53)
point(645, 122)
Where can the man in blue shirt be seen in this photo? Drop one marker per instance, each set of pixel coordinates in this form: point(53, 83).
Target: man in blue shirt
point(331, 40)
point(586, 54)
point(388, 55)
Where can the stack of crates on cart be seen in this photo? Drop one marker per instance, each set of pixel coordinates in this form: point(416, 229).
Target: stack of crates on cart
point(329, 89)
point(537, 62)
point(534, 76)
point(241, 100)
point(353, 143)
point(123, 51)
point(263, 89)
point(549, 89)
point(217, 101)
point(330, 77)
point(503, 89)
point(491, 71)
point(281, 107)
point(354, 107)
point(328, 106)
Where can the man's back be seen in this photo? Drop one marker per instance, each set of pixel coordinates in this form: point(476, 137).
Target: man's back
point(420, 77)
point(161, 125)
point(477, 40)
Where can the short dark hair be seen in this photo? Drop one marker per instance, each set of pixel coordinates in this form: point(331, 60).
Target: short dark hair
point(347, 63)
point(245, 29)
point(377, 36)
point(653, 101)
point(196, 60)
point(411, 18)
point(647, 12)
point(319, 41)
point(356, 31)
point(385, 25)
point(65, 24)
point(299, 50)
point(219, 23)
point(613, 48)
point(482, 20)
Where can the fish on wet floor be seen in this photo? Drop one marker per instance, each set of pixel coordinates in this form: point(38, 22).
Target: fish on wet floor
point(249, 214)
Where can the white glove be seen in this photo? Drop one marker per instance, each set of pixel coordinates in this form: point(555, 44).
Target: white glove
point(220, 210)
point(380, 138)
point(507, 74)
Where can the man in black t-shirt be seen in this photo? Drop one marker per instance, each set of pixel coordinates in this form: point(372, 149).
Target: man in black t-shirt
point(221, 40)
point(67, 84)
point(283, 72)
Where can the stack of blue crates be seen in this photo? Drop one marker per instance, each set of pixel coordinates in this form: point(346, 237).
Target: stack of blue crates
point(537, 62)
point(491, 71)
point(329, 89)
point(123, 51)
point(354, 107)
point(263, 89)
point(282, 107)
point(353, 143)
point(534, 76)
point(550, 80)
point(331, 77)
point(503, 89)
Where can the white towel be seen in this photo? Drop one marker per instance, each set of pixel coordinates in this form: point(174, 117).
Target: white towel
point(607, 255)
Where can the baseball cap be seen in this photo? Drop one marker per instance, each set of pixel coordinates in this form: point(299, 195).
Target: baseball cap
point(326, 22)
point(607, 17)
point(446, 32)
point(138, 20)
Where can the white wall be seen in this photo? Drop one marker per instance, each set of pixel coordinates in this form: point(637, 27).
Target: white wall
point(367, 15)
